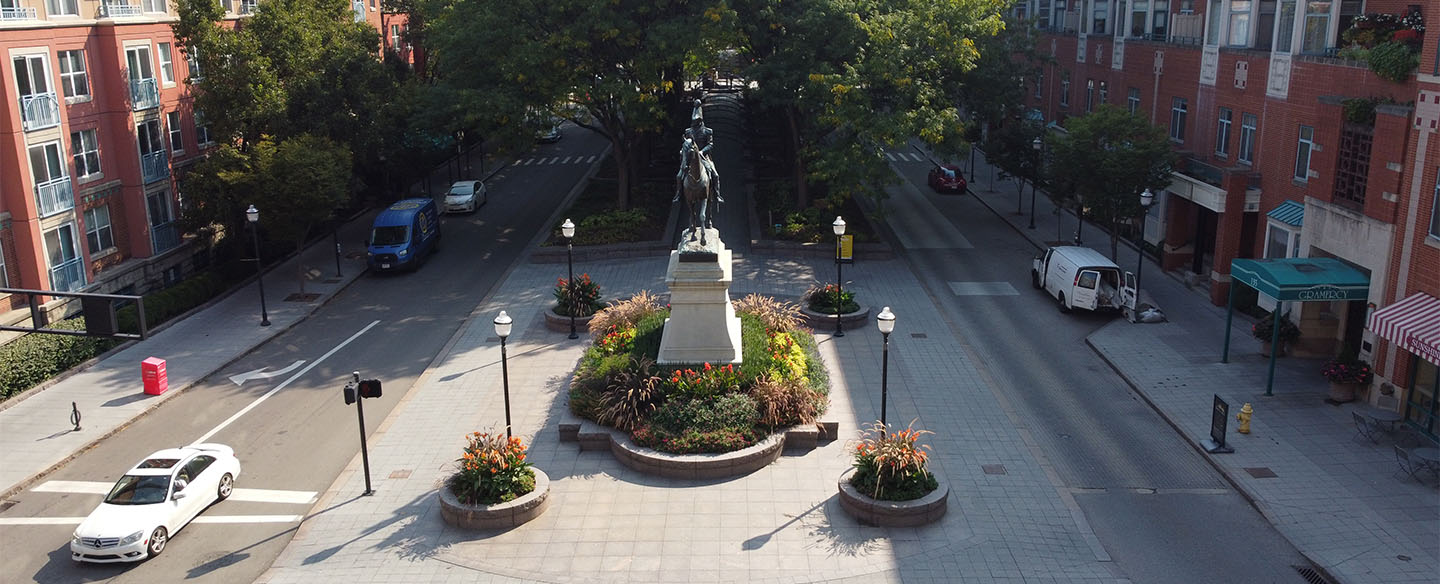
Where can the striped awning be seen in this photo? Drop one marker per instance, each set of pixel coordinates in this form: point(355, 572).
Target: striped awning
point(1289, 213)
point(1412, 324)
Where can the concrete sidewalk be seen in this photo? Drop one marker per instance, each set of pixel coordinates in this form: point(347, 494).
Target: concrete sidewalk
point(1338, 498)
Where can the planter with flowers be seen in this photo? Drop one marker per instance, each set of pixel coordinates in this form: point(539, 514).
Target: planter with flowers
point(1264, 330)
point(582, 302)
point(890, 484)
point(494, 487)
point(1346, 374)
point(820, 303)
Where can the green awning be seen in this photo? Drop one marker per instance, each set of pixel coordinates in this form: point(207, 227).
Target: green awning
point(1303, 279)
point(1289, 213)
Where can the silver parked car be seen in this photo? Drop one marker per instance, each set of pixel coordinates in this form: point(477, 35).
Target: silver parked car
point(465, 196)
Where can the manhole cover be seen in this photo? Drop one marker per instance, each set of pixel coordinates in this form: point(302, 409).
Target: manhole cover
point(400, 474)
point(993, 469)
point(918, 336)
point(306, 297)
point(1261, 472)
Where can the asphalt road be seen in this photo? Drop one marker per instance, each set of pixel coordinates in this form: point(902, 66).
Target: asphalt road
point(300, 438)
point(1161, 513)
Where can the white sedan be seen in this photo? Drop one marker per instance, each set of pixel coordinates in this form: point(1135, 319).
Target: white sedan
point(465, 196)
point(153, 501)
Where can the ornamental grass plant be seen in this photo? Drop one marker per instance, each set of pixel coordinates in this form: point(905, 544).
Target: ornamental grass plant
point(893, 466)
point(492, 469)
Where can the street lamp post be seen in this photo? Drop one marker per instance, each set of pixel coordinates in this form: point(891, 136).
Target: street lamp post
point(1079, 217)
point(839, 227)
point(502, 330)
point(1146, 199)
point(1039, 158)
point(886, 322)
point(252, 215)
point(568, 230)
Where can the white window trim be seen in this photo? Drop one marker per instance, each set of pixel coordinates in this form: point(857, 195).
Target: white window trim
point(1292, 238)
point(1300, 140)
point(1241, 152)
point(84, 62)
point(1179, 108)
point(162, 61)
point(172, 127)
point(1434, 231)
point(92, 228)
point(1222, 147)
point(94, 175)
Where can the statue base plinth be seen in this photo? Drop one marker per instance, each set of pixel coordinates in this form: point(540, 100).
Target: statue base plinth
point(702, 327)
point(691, 250)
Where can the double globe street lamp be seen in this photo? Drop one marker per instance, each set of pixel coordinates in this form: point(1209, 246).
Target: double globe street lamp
point(252, 216)
point(502, 330)
point(567, 229)
point(839, 227)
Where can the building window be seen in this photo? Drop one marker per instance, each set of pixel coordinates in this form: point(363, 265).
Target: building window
point(1352, 164)
point(1101, 13)
point(202, 130)
point(1159, 25)
point(4, 274)
point(1212, 28)
point(1065, 89)
point(1280, 243)
point(1248, 125)
point(1042, 14)
point(153, 5)
point(1178, 108)
point(66, 273)
point(86, 153)
point(1239, 23)
point(1317, 26)
point(192, 59)
point(72, 74)
point(1132, 101)
point(358, 7)
point(1435, 213)
point(1422, 409)
point(172, 122)
point(97, 229)
point(1089, 95)
point(52, 186)
point(164, 235)
point(1104, 93)
point(395, 37)
point(1302, 153)
point(167, 64)
point(62, 7)
point(1285, 31)
point(1222, 133)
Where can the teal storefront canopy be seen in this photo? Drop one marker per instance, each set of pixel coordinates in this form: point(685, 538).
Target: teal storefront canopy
point(1297, 280)
point(1302, 279)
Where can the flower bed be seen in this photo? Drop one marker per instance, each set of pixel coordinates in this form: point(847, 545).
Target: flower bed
point(494, 486)
point(890, 484)
point(699, 409)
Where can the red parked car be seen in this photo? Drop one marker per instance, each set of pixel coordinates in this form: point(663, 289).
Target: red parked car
point(946, 178)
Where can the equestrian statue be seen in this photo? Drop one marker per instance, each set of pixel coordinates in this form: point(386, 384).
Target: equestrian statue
point(697, 177)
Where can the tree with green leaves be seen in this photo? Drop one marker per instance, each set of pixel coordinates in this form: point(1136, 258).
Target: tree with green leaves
point(1012, 149)
point(1106, 159)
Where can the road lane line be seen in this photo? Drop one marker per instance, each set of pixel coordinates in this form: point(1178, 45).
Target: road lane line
point(239, 494)
point(285, 383)
point(200, 519)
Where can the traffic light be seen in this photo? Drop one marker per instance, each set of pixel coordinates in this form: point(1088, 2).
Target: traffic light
point(370, 388)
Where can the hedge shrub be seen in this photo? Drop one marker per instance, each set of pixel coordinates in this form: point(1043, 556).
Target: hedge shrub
point(31, 359)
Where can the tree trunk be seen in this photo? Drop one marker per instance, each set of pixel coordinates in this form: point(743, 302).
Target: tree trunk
point(1115, 241)
point(802, 193)
point(621, 154)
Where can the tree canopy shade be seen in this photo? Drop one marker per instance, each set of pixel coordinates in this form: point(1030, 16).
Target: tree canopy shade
point(1108, 158)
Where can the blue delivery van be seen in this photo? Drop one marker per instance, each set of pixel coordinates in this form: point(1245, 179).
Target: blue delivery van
point(403, 235)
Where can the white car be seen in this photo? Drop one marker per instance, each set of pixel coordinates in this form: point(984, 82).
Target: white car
point(153, 501)
point(465, 196)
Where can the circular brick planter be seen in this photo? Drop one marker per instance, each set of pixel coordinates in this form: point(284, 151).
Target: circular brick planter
point(878, 513)
point(558, 323)
point(819, 320)
point(500, 515)
point(696, 466)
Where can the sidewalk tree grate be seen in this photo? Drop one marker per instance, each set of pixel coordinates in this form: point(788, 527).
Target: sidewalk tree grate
point(918, 336)
point(1261, 472)
point(993, 469)
point(400, 474)
point(1310, 575)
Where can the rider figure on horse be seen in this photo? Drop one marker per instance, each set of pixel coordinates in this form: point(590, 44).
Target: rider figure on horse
point(703, 138)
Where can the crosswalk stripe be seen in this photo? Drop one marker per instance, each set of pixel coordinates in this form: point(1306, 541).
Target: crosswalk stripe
point(890, 155)
point(983, 289)
point(590, 160)
point(248, 495)
point(917, 157)
point(200, 519)
point(567, 160)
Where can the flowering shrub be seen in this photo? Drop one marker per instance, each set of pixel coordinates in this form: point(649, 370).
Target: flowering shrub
point(617, 340)
point(892, 466)
point(788, 358)
point(1347, 370)
point(722, 424)
point(1263, 329)
point(584, 301)
point(823, 299)
point(492, 470)
point(708, 382)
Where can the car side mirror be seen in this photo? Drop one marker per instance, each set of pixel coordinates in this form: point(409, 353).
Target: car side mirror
point(177, 496)
point(180, 485)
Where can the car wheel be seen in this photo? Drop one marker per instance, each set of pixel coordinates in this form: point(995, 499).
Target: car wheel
point(158, 539)
point(1035, 279)
point(1065, 308)
point(227, 486)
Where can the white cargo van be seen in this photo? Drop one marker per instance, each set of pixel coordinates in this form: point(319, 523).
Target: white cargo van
point(1080, 277)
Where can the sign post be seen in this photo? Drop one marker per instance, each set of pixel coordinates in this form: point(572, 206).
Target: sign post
point(1219, 418)
point(355, 392)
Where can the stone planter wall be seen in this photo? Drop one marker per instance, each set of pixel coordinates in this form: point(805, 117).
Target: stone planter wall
point(878, 513)
point(819, 320)
point(558, 323)
point(694, 466)
point(499, 515)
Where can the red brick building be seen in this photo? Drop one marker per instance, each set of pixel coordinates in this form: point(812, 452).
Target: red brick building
point(1287, 150)
point(96, 123)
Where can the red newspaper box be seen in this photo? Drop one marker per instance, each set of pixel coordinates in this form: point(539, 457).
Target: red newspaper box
point(152, 370)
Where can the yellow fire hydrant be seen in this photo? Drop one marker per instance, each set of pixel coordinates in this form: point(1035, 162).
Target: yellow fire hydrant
point(1244, 417)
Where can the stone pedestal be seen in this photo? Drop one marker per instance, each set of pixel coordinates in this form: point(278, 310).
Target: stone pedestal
point(702, 327)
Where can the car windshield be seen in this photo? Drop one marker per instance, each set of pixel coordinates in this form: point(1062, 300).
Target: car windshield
point(139, 490)
point(393, 235)
point(461, 190)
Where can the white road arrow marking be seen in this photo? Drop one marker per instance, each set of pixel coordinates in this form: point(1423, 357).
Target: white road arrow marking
point(239, 494)
point(261, 373)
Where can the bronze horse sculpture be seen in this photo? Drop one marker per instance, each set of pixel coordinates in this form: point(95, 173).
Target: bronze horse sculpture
point(698, 190)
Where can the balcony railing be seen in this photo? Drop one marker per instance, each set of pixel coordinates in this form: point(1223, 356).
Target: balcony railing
point(119, 8)
point(54, 196)
point(17, 13)
point(164, 237)
point(153, 167)
point(1187, 28)
point(68, 276)
point(144, 94)
point(39, 111)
